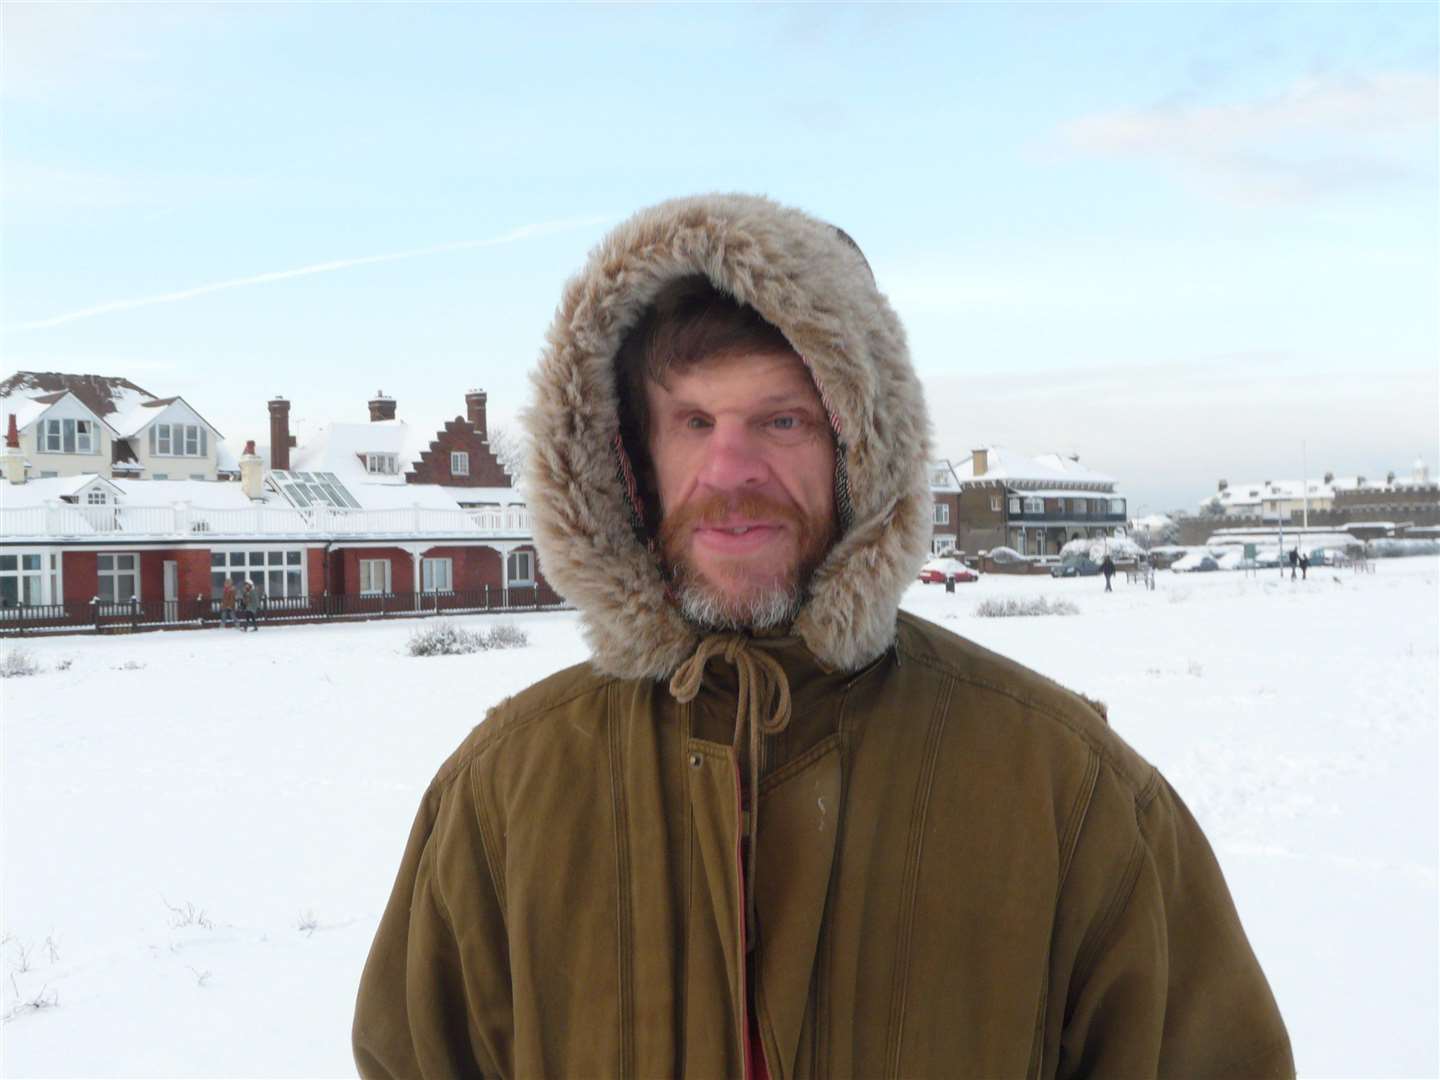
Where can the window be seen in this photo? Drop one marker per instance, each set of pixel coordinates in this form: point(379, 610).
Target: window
point(96, 498)
point(28, 579)
point(197, 476)
point(179, 440)
point(435, 575)
point(69, 437)
point(374, 577)
point(520, 568)
point(160, 476)
point(275, 574)
point(1080, 507)
point(1034, 505)
point(1014, 504)
point(119, 578)
point(994, 504)
point(1117, 506)
point(382, 464)
point(942, 513)
point(459, 463)
point(939, 544)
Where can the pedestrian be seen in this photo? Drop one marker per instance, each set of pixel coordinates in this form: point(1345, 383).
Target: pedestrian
point(227, 605)
point(1294, 561)
point(775, 826)
point(249, 606)
point(1304, 567)
point(1108, 569)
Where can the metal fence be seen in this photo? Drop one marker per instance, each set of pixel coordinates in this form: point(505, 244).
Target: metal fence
point(101, 617)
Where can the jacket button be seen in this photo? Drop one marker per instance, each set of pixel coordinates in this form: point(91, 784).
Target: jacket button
point(694, 761)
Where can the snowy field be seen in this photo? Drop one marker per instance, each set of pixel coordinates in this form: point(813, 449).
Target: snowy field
point(201, 828)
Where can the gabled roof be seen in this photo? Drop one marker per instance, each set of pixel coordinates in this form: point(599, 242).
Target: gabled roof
point(101, 394)
point(139, 415)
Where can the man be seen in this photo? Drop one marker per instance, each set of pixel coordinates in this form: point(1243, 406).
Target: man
point(774, 827)
point(1108, 569)
point(249, 607)
point(227, 605)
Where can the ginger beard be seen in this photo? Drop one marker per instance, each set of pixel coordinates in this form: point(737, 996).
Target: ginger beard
point(757, 591)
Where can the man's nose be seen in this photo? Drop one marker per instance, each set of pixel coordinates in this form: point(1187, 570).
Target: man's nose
point(734, 458)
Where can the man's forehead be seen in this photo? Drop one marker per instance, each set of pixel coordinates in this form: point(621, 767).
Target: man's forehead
point(770, 375)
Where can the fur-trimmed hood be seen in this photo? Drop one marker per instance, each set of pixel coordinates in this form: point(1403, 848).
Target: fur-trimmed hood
point(810, 280)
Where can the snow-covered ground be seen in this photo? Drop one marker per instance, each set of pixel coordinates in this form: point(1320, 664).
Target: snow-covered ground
point(200, 828)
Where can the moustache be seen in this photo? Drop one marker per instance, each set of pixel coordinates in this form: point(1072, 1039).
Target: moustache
point(719, 507)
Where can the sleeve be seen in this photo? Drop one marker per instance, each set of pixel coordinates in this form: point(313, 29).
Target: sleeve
point(1172, 988)
point(434, 998)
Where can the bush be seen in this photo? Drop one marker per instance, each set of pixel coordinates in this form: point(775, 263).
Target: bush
point(447, 639)
point(1003, 607)
point(17, 663)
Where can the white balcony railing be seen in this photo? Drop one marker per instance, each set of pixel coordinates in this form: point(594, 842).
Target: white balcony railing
point(64, 520)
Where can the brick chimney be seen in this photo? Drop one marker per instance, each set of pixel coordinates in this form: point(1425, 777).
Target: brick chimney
point(475, 410)
point(280, 440)
point(381, 407)
point(14, 459)
point(980, 459)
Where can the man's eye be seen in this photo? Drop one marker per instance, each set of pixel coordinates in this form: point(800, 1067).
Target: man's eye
point(696, 423)
point(785, 423)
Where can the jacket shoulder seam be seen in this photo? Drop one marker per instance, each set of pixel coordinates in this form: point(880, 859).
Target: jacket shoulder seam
point(506, 726)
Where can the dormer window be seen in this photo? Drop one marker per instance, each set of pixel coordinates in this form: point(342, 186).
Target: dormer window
point(96, 498)
point(382, 464)
point(178, 440)
point(68, 437)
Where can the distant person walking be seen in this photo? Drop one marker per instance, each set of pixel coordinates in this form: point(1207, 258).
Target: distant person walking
point(1304, 567)
point(1294, 561)
point(249, 607)
point(227, 605)
point(1108, 569)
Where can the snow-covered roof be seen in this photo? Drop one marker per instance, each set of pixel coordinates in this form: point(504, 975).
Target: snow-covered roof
point(1005, 464)
point(340, 448)
point(25, 410)
point(39, 492)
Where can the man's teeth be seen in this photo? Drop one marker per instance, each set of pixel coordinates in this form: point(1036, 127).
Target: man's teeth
point(740, 530)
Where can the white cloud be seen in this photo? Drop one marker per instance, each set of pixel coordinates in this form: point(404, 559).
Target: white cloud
point(1318, 136)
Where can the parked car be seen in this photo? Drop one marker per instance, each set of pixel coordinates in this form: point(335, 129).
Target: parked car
point(936, 571)
point(1195, 561)
point(1075, 566)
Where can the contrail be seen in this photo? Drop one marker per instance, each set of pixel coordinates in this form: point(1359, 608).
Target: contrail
point(524, 232)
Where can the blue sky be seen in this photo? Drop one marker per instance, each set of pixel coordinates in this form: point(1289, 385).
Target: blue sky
point(1181, 240)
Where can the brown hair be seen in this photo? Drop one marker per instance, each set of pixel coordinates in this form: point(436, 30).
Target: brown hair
point(690, 322)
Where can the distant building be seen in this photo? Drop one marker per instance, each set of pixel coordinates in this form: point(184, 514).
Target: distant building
point(998, 498)
point(73, 425)
point(1330, 499)
point(366, 518)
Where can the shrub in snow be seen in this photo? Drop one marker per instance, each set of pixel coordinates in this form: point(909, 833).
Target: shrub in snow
point(507, 636)
point(16, 663)
point(447, 639)
point(1003, 607)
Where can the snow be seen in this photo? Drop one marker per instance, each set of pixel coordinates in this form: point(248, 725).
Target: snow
point(1097, 547)
point(270, 780)
point(1004, 464)
point(340, 448)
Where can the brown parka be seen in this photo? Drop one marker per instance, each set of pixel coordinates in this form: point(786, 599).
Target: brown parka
point(959, 869)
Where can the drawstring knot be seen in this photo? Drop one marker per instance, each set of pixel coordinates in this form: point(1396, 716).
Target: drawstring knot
point(762, 707)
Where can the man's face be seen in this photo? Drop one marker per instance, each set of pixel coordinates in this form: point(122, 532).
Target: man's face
point(745, 466)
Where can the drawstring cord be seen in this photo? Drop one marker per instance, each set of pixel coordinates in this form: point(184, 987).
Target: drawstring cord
point(763, 706)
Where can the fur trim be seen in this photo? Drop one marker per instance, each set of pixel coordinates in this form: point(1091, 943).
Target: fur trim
point(811, 281)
